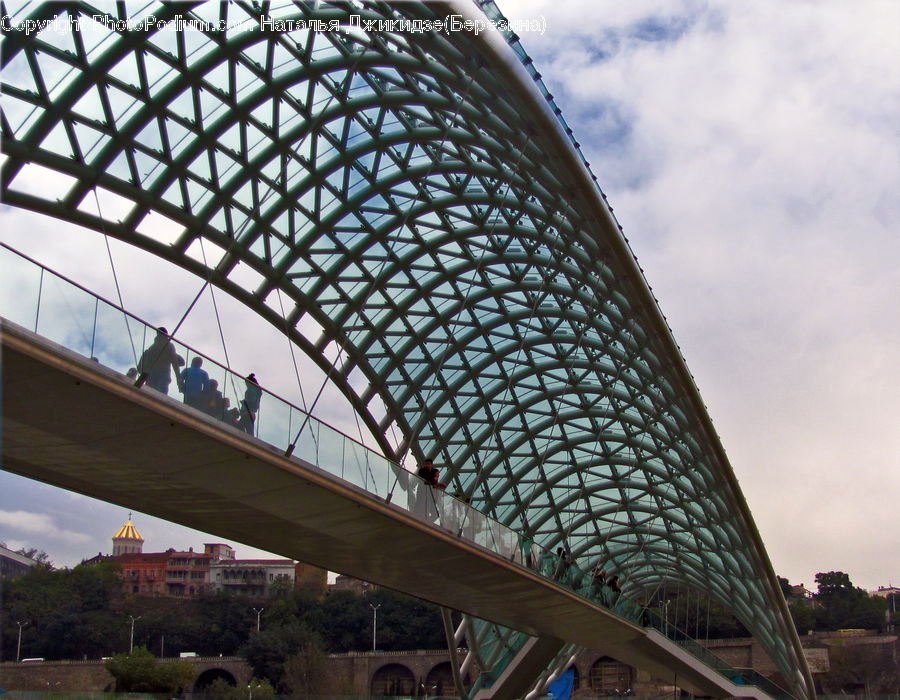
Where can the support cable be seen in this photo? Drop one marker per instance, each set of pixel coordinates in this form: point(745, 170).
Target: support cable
point(230, 374)
point(112, 266)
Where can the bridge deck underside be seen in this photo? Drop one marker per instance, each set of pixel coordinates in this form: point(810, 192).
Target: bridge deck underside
point(74, 424)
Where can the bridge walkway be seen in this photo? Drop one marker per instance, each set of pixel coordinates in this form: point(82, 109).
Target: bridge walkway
point(81, 425)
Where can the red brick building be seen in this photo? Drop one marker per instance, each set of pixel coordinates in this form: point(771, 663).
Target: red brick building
point(190, 573)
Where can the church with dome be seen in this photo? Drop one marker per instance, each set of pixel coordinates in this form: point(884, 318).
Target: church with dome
point(127, 539)
point(190, 573)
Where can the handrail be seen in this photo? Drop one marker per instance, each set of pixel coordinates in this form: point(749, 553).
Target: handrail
point(77, 318)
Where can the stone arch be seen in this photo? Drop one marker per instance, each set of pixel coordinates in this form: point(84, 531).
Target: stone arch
point(210, 675)
point(439, 680)
point(392, 680)
point(576, 684)
point(608, 675)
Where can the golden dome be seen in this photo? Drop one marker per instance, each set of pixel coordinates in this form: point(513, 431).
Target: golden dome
point(128, 532)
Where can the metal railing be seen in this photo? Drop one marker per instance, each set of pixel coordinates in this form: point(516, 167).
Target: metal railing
point(64, 312)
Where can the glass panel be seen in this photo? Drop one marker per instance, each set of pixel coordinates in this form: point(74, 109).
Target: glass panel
point(66, 314)
point(112, 343)
point(273, 419)
point(20, 290)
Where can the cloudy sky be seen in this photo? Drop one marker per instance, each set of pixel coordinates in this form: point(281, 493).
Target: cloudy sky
point(751, 151)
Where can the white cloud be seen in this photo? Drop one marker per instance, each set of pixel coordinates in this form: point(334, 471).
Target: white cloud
point(42, 524)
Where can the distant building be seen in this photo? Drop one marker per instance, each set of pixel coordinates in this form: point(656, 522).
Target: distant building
point(219, 551)
point(885, 591)
point(190, 573)
point(171, 573)
point(312, 579)
point(13, 564)
point(187, 573)
point(348, 583)
point(799, 593)
point(253, 578)
point(143, 574)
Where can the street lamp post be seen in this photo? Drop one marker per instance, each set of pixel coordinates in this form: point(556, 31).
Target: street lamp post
point(258, 613)
point(131, 644)
point(19, 645)
point(374, 622)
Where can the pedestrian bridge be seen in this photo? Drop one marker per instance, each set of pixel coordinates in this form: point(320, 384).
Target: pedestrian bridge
point(404, 201)
point(72, 422)
point(297, 487)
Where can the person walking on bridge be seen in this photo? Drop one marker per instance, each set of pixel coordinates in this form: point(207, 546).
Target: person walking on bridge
point(194, 383)
point(250, 404)
point(426, 502)
point(157, 362)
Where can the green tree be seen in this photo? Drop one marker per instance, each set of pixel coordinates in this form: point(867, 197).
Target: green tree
point(803, 616)
point(221, 689)
point(38, 555)
point(141, 672)
point(349, 622)
point(843, 606)
point(833, 584)
point(785, 587)
point(404, 623)
point(70, 613)
point(305, 672)
point(225, 623)
point(260, 689)
point(268, 650)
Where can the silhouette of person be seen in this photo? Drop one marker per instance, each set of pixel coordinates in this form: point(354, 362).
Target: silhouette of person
point(194, 383)
point(425, 504)
point(229, 415)
point(526, 542)
point(562, 565)
point(598, 581)
point(428, 473)
point(212, 401)
point(574, 575)
point(157, 361)
point(250, 404)
point(614, 590)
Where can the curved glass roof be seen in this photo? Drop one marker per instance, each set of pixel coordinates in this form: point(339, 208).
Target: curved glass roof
point(414, 198)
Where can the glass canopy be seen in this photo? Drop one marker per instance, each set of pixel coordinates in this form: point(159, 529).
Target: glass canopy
point(411, 194)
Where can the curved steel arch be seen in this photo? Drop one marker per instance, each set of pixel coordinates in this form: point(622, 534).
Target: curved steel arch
point(419, 197)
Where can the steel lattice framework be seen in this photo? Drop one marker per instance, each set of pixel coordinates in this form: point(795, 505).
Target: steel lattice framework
point(416, 198)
